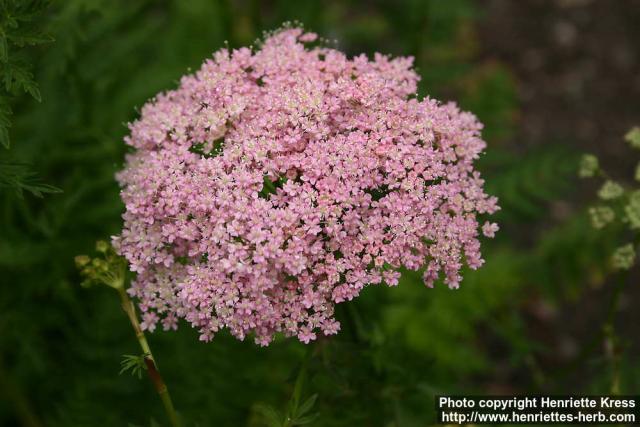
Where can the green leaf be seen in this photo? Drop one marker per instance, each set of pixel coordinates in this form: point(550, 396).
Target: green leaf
point(18, 77)
point(305, 420)
point(4, 48)
point(39, 190)
point(268, 189)
point(307, 405)
point(5, 122)
point(271, 416)
point(29, 37)
point(5, 113)
point(526, 184)
point(297, 389)
point(133, 363)
point(31, 87)
point(4, 136)
point(18, 177)
point(208, 149)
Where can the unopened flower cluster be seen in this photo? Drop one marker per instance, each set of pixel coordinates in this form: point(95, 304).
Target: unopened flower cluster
point(620, 203)
point(275, 183)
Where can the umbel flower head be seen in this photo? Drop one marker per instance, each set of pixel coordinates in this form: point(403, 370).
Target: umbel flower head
point(277, 182)
point(621, 204)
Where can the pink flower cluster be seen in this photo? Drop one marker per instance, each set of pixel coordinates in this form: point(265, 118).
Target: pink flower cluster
point(275, 183)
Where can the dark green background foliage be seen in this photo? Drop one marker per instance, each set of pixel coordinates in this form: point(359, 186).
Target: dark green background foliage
point(73, 73)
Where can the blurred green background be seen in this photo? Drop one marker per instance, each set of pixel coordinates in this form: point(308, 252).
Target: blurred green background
point(549, 79)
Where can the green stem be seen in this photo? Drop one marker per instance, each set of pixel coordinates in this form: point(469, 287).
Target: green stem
point(605, 332)
point(612, 353)
point(152, 366)
point(612, 341)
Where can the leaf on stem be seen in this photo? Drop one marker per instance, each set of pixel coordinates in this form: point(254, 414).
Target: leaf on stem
point(133, 363)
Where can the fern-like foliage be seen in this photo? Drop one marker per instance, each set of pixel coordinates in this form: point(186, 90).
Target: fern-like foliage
point(19, 178)
point(526, 183)
point(20, 27)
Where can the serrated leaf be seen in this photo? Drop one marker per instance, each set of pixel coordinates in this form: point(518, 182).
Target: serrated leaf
point(17, 77)
point(4, 49)
point(5, 112)
point(18, 177)
point(271, 416)
point(5, 123)
point(133, 363)
point(33, 90)
point(39, 190)
point(297, 389)
point(305, 420)
point(4, 136)
point(10, 21)
point(29, 37)
point(307, 405)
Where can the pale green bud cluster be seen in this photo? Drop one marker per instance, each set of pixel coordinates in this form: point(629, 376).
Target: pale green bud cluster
point(633, 137)
point(610, 190)
point(107, 269)
point(601, 216)
point(588, 166)
point(632, 211)
point(624, 257)
point(618, 203)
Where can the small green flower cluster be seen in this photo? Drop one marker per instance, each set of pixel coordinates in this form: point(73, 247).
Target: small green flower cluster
point(617, 202)
point(108, 268)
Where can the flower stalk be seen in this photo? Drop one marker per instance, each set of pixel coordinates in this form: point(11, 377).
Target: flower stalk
point(149, 360)
point(111, 270)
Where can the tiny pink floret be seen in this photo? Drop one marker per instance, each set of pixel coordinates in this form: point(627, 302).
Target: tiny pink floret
point(364, 179)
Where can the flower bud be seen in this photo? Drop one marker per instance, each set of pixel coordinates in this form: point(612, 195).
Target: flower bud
point(610, 190)
point(624, 257)
point(82, 260)
point(632, 210)
point(601, 216)
point(588, 166)
point(633, 137)
point(102, 246)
